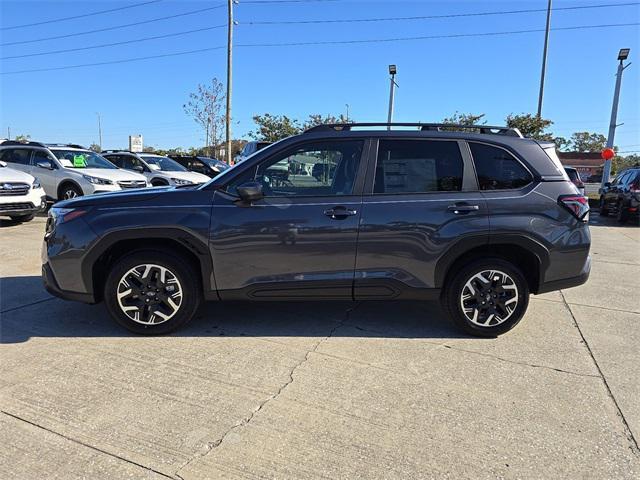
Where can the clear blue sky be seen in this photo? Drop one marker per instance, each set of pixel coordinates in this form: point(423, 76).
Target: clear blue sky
point(496, 75)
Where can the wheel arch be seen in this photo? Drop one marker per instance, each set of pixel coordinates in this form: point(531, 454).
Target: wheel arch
point(65, 182)
point(524, 252)
point(175, 241)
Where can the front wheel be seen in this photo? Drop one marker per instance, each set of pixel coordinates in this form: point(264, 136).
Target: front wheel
point(152, 292)
point(486, 298)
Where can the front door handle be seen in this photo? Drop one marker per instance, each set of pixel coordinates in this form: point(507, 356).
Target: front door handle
point(340, 213)
point(463, 208)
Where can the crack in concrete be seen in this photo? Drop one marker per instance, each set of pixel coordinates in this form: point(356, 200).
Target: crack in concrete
point(245, 421)
point(78, 442)
point(627, 429)
point(488, 355)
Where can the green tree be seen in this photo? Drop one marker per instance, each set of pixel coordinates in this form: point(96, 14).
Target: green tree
point(562, 143)
point(463, 119)
point(22, 138)
point(271, 128)
point(317, 119)
point(94, 147)
point(531, 126)
point(588, 142)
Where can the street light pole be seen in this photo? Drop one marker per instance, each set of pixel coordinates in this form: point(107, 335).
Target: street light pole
point(544, 59)
point(392, 72)
point(99, 130)
point(347, 105)
point(229, 79)
point(622, 56)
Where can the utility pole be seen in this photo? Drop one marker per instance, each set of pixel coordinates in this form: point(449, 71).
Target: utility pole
point(392, 72)
point(347, 105)
point(99, 130)
point(8, 133)
point(229, 79)
point(622, 56)
point(544, 59)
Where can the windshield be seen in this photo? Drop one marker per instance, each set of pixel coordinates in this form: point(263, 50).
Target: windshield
point(82, 159)
point(163, 163)
point(212, 162)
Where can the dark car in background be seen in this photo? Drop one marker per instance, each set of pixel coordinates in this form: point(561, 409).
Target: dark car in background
point(621, 196)
point(205, 165)
point(417, 212)
point(574, 176)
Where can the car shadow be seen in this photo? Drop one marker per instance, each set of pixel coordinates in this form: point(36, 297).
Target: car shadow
point(27, 311)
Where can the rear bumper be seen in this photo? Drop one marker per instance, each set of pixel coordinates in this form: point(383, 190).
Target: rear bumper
point(567, 282)
point(51, 285)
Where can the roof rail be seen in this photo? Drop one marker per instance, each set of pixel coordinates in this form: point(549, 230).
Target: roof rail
point(18, 143)
point(72, 145)
point(484, 129)
point(115, 150)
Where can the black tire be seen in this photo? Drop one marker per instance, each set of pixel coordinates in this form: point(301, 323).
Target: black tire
point(501, 291)
point(69, 191)
point(188, 283)
point(23, 218)
point(604, 211)
point(622, 215)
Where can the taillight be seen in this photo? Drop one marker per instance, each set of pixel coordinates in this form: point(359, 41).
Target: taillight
point(577, 205)
point(635, 187)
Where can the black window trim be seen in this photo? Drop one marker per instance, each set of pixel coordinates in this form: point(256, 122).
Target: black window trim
point(373, 161)
point(514, 156)
point(360, 174)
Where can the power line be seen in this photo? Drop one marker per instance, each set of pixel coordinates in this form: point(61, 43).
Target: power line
point(115, 27)
point(329, 42)
point(431, 17)
point(124, 42)
point(84, 15)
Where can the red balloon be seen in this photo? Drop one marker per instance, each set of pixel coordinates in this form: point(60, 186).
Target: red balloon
point(608, 153)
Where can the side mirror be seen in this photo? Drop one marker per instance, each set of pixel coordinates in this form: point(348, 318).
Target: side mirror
point(139, 168)
point(607, 184)
point(250, 192)
point(45, 164)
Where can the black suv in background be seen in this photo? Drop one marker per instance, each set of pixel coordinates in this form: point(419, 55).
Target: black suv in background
point(621, 196)
point(205, 165)
point(478, 219)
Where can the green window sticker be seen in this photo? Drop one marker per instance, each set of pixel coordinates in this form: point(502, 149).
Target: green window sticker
point(79, 161)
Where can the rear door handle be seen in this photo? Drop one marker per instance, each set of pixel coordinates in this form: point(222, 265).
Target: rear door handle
point(340, 213)
point(463, 208)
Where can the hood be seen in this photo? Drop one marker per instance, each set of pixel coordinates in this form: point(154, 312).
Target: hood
point(10, 175)
point(115, 174)
point(121, 196)
point(194, 177)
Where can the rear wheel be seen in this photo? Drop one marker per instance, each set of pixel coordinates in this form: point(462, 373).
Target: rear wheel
point(487, 297)
point(152, 292)
point(604, 211)
point(622, 214)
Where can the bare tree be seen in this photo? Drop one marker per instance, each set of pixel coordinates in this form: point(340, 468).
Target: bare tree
point(206, 106)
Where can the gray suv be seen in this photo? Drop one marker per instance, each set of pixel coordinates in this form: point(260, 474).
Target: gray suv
point(479, 218)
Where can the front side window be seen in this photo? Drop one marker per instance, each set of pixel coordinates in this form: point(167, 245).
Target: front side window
point(21, 156)
point(418, 166)
point(324, 168)
point(497, 169)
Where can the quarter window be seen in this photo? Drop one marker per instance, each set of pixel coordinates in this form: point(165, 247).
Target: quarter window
point(21, 156)
point(497, 169)
point(418, 166)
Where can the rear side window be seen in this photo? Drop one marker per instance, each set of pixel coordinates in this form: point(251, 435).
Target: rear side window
point(21, 156)
point(418, 166)
point(497, 169)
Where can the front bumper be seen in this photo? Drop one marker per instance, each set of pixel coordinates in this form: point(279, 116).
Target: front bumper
point(51, 285)
point(30, 204)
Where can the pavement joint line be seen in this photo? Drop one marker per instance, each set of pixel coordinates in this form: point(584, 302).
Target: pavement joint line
point(605, 308)
point(598, 260)
point(245, 421)
point(13, 309)
point(78, 442)
point(627, 430)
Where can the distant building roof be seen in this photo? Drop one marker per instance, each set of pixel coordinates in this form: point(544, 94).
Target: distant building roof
point(581, 159)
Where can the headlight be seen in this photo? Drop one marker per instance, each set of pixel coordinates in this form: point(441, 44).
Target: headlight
point(179, 181)
point(96, 180)
point(35, 184)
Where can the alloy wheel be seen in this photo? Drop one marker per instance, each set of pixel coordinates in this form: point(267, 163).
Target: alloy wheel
point(149, 294)
point(69, 194)
point(489, 298)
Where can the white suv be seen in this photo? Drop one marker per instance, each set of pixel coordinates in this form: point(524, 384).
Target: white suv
point(159, 170)
point(68, 171)
point(21, 195)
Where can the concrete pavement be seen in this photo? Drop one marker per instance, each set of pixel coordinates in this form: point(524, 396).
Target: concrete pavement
point(311, 390)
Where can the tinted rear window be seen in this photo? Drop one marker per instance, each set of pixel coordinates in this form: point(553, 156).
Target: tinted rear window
point(573, 174)
point(497, 169)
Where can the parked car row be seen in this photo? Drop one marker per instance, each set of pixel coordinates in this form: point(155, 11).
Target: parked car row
point(621, 196)
point(65, 171)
